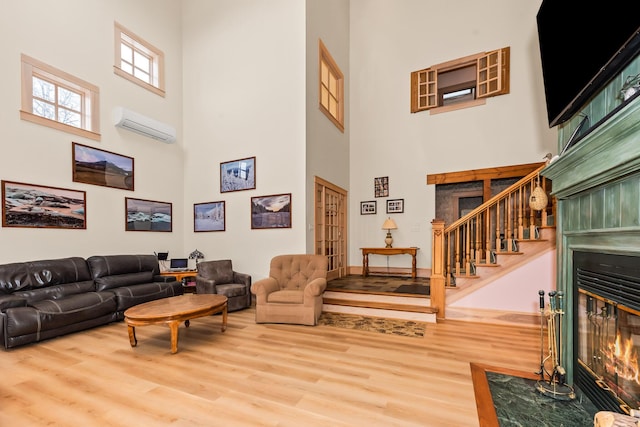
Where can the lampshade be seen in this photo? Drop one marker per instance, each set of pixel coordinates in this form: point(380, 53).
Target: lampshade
point(389, 224)
point(196, 255)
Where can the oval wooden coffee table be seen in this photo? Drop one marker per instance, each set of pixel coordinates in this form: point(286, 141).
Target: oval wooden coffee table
point(172, 311)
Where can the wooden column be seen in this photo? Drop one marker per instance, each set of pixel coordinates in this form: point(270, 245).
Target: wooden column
point(437, 280)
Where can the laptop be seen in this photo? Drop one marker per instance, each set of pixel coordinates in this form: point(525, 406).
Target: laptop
point(178, 264)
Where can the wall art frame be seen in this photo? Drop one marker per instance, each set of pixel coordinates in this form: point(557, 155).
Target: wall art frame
point(41, 206)
point(395, 206)
point(238, 175)
point(148, 215)
point(273, 211)
point(209, 216)
point(381, 186)
point(368, 208)
point(100, 167)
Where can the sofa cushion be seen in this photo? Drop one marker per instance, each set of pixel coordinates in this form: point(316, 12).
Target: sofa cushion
point(219, 270)
point(110, 282)
point(128, 296)
point(56, 292)
point(286, 297)
point(231, 290)
point(52, 314)
point(112, 265)
point(39, 274)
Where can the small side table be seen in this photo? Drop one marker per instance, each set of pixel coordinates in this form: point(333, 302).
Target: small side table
point(388, 251)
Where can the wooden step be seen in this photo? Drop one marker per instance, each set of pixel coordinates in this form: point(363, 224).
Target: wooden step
point(381, 305)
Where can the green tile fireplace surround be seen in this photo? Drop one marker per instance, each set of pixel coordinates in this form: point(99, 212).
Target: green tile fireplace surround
point(597, 187)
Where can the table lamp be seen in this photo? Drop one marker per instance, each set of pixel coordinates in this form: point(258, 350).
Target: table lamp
point(389, 225)
point(197, 255)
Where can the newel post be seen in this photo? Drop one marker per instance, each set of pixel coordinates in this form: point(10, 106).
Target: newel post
point(437, 280)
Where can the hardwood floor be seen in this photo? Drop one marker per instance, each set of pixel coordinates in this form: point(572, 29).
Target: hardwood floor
point(257, 375)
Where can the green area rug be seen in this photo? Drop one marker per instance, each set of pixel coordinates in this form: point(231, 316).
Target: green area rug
point(406, 328)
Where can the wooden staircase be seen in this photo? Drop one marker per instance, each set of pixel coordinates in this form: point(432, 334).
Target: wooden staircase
point(395, 306)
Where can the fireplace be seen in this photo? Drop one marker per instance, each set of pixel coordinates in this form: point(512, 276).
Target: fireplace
point(607, 329)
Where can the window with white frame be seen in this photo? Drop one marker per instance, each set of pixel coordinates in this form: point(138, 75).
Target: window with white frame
point(54, 98)
point(138, 61)
point(331, 87)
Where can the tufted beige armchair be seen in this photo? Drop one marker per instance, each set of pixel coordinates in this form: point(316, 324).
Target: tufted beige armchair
point(293, 291)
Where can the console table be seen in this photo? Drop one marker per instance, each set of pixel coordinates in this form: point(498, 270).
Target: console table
point(388, 251)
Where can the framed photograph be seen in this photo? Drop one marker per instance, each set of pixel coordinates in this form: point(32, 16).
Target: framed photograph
point(238, 175)
point(271, 211)
point(368, 208)
point(381, 186)
point(99, 167)
point(147, 215)
point(395, 206)
point(208, 216)
point(39, 206)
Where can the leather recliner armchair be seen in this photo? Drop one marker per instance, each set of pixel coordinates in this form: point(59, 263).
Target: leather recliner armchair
point(218, 277)
point(293, 291)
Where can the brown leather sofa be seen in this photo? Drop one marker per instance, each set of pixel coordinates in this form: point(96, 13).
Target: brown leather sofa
point(293, 291)
point(48, 298)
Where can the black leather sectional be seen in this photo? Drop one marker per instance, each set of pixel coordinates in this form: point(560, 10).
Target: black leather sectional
point(48, 298)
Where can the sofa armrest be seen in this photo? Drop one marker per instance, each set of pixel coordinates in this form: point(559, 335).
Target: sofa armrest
point(205, 286)
point(264, 287)
point(10, 301)
point(242, 278)
point(164, 279)
point(315, 287)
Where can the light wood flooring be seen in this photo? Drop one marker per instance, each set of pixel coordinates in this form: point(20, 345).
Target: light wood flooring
point(257, 375)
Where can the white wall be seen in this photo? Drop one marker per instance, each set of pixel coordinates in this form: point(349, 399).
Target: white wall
point(388, 41)
point(244, 96)
point(77, 36)
point(327, 146)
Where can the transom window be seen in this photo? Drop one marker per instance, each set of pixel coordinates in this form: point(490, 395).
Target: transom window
point(138, 61)
point(331, 87)
point(54, 98)
point(461, 83)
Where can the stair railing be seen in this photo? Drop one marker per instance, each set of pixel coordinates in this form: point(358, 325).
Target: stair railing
point(492, 228)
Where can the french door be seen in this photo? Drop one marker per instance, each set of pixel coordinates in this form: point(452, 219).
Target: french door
point(331, 226)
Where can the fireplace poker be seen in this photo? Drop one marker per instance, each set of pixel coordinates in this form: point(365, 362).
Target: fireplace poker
point(541, 371)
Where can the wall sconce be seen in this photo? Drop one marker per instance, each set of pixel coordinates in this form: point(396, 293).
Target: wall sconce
point(389, 225)
point(197, 255)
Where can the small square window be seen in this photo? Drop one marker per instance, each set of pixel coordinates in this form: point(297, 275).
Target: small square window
point(138, 61)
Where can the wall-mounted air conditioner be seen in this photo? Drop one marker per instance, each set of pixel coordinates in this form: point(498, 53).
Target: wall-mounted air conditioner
point(135, 122)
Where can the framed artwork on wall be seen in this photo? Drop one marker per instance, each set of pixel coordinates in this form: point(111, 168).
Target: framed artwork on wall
point(368, 208)
point(238, 175)
point(209, 216)
point(100, 167)
point(395, 206)
point(381, 186)
point(271, 211)
point(147, 215)
point(39, 206)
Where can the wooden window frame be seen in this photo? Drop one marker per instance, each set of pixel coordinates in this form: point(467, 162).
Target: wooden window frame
point(492, 79)
point(325, 59)
point(141, 46)
point(89, 93)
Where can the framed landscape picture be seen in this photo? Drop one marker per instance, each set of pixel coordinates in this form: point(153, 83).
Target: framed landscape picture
point(395, 206)
point(368, 208)
point(147, 215)
point(209, 216)
point(271, 211)
point(39, 206)
point(99, 167)
point(238, 175)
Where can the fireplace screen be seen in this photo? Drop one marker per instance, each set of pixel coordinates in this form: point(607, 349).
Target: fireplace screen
point(608, 347)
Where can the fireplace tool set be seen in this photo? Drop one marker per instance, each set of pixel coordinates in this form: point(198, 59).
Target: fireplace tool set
point(552, 380)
